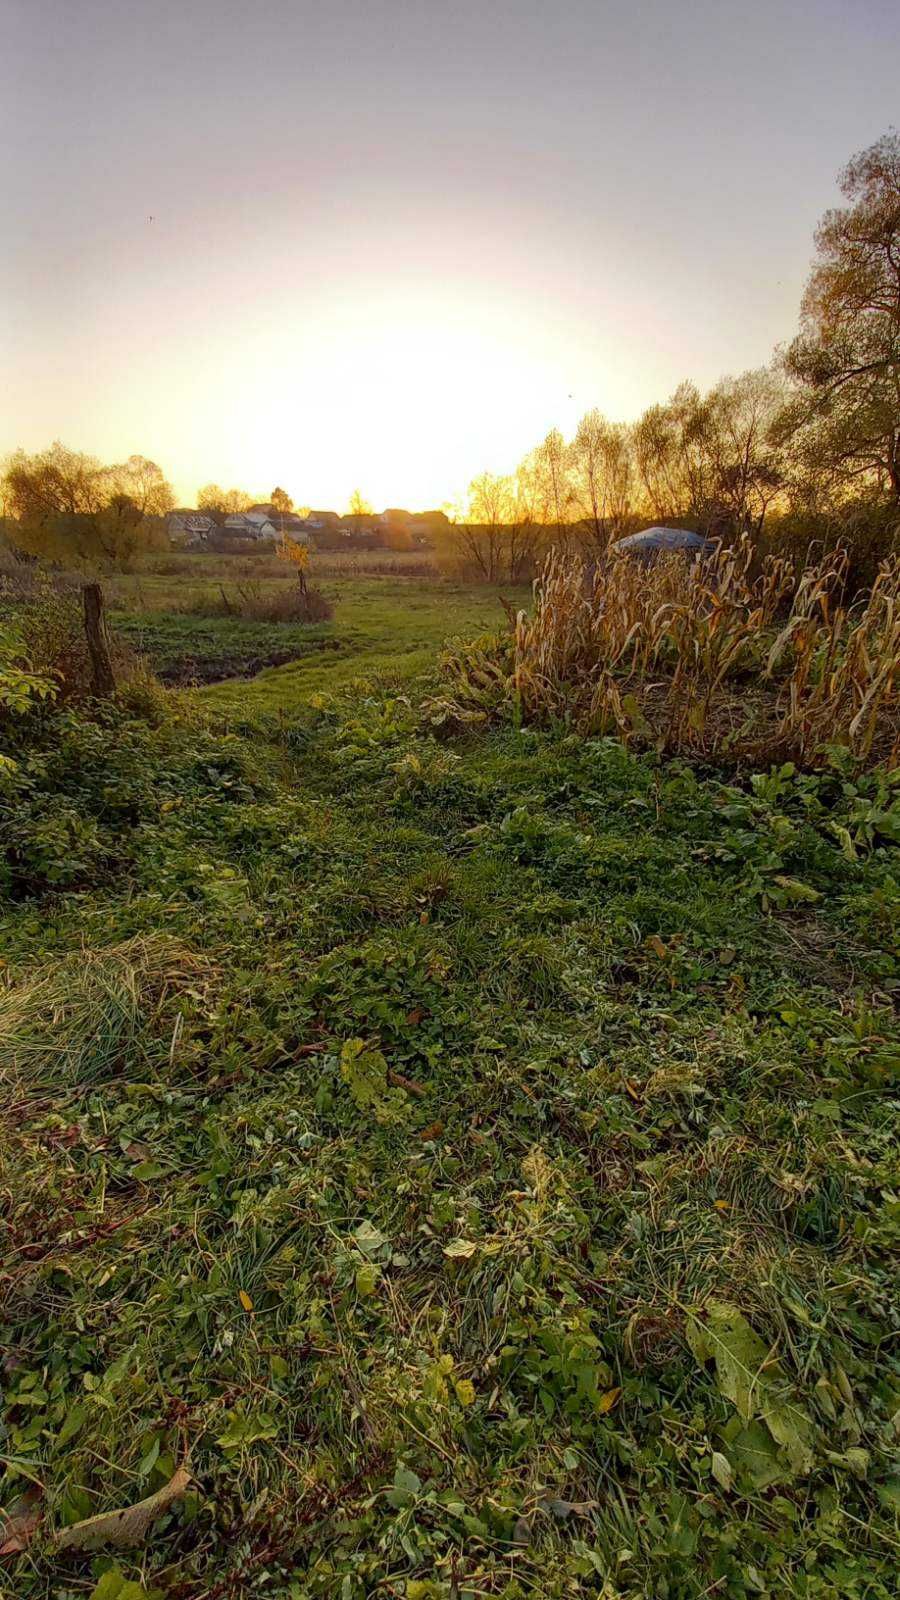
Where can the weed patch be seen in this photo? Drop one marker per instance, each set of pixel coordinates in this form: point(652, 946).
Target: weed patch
point(471, 1159)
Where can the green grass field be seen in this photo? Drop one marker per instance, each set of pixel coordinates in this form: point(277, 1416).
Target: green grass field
point(475, 1159)
point(381, 630)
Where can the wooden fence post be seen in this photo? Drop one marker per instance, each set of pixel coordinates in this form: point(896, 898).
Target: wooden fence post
point(103, 678)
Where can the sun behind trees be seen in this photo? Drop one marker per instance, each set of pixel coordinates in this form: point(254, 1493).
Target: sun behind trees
point(804, 452)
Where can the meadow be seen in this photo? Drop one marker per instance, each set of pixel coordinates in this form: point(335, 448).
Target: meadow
point(446, 1155)
point(384, 627)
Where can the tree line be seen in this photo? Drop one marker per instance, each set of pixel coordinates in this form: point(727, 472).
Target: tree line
point(804, 451)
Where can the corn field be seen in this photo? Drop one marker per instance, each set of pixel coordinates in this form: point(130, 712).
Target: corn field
point(718, 657)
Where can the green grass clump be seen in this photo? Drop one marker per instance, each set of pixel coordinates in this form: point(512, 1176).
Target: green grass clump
point(475, 1157)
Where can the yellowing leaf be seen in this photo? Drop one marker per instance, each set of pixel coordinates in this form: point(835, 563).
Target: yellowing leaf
point(245, 1300)
point(460, 1249)
point(721, 1205)
point(465, 1391)
point(113, 1586)
point(793, 889)
point(657, 946)
point(367, 1277)
point(608, 1400)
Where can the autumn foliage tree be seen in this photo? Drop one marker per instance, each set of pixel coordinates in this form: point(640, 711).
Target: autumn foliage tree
point(281, 501)
point(71, 509)
point(297, 556)
point(603, 478)
point(846, 357)
point(227, 502)
point(359, 506)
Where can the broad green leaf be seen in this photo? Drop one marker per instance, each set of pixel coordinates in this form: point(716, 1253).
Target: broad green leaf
point(367, 1277)
point(74, 1421)
point(727, 1338)
point(753, 1453)
point(247, 1430)
point(406, 1487)
point(368, 1240)
point(364, 1071)
point(113, 1586)
point(751, 1379)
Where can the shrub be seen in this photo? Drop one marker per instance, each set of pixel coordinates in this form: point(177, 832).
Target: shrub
point(250, 601)
point(866, 531)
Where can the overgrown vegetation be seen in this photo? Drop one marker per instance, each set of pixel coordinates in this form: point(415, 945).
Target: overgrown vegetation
point(722, 657)
point(441, 1167)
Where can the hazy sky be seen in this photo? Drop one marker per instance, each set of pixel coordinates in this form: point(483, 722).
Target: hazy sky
point(394, 241)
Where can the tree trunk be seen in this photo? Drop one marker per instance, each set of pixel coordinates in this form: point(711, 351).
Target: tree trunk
point(103, 679)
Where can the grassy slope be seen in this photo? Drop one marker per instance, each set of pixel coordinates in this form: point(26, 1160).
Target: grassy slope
point(447, 1329)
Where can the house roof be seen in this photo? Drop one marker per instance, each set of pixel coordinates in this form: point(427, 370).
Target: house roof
point(195, 519)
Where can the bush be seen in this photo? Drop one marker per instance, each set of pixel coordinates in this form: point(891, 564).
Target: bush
point(82, 795)
point(866, 531)
point(250, 601)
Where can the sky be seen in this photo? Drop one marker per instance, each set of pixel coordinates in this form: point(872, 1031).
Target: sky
point(388, 244)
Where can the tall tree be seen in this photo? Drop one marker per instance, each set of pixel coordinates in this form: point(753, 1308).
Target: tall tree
point(847, 354)
point(746, 466)
point(359, 506)
point(54, 482)
point(551, 460)
point(602, 478)
point(143, 484)
point(227, 502)
point(281, 501)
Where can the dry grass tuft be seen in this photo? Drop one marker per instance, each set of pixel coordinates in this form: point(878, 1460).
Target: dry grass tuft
point(80, 1018)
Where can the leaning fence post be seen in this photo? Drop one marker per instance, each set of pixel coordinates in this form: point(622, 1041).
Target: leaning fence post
point(103, 678)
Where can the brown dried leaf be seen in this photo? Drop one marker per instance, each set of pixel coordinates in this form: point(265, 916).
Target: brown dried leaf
point(127, 1526)
point(18, 1524)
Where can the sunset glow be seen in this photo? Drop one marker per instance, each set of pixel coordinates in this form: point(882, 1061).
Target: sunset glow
point(397, 264)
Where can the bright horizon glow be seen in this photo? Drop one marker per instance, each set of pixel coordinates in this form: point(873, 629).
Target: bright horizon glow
point(392, 247)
